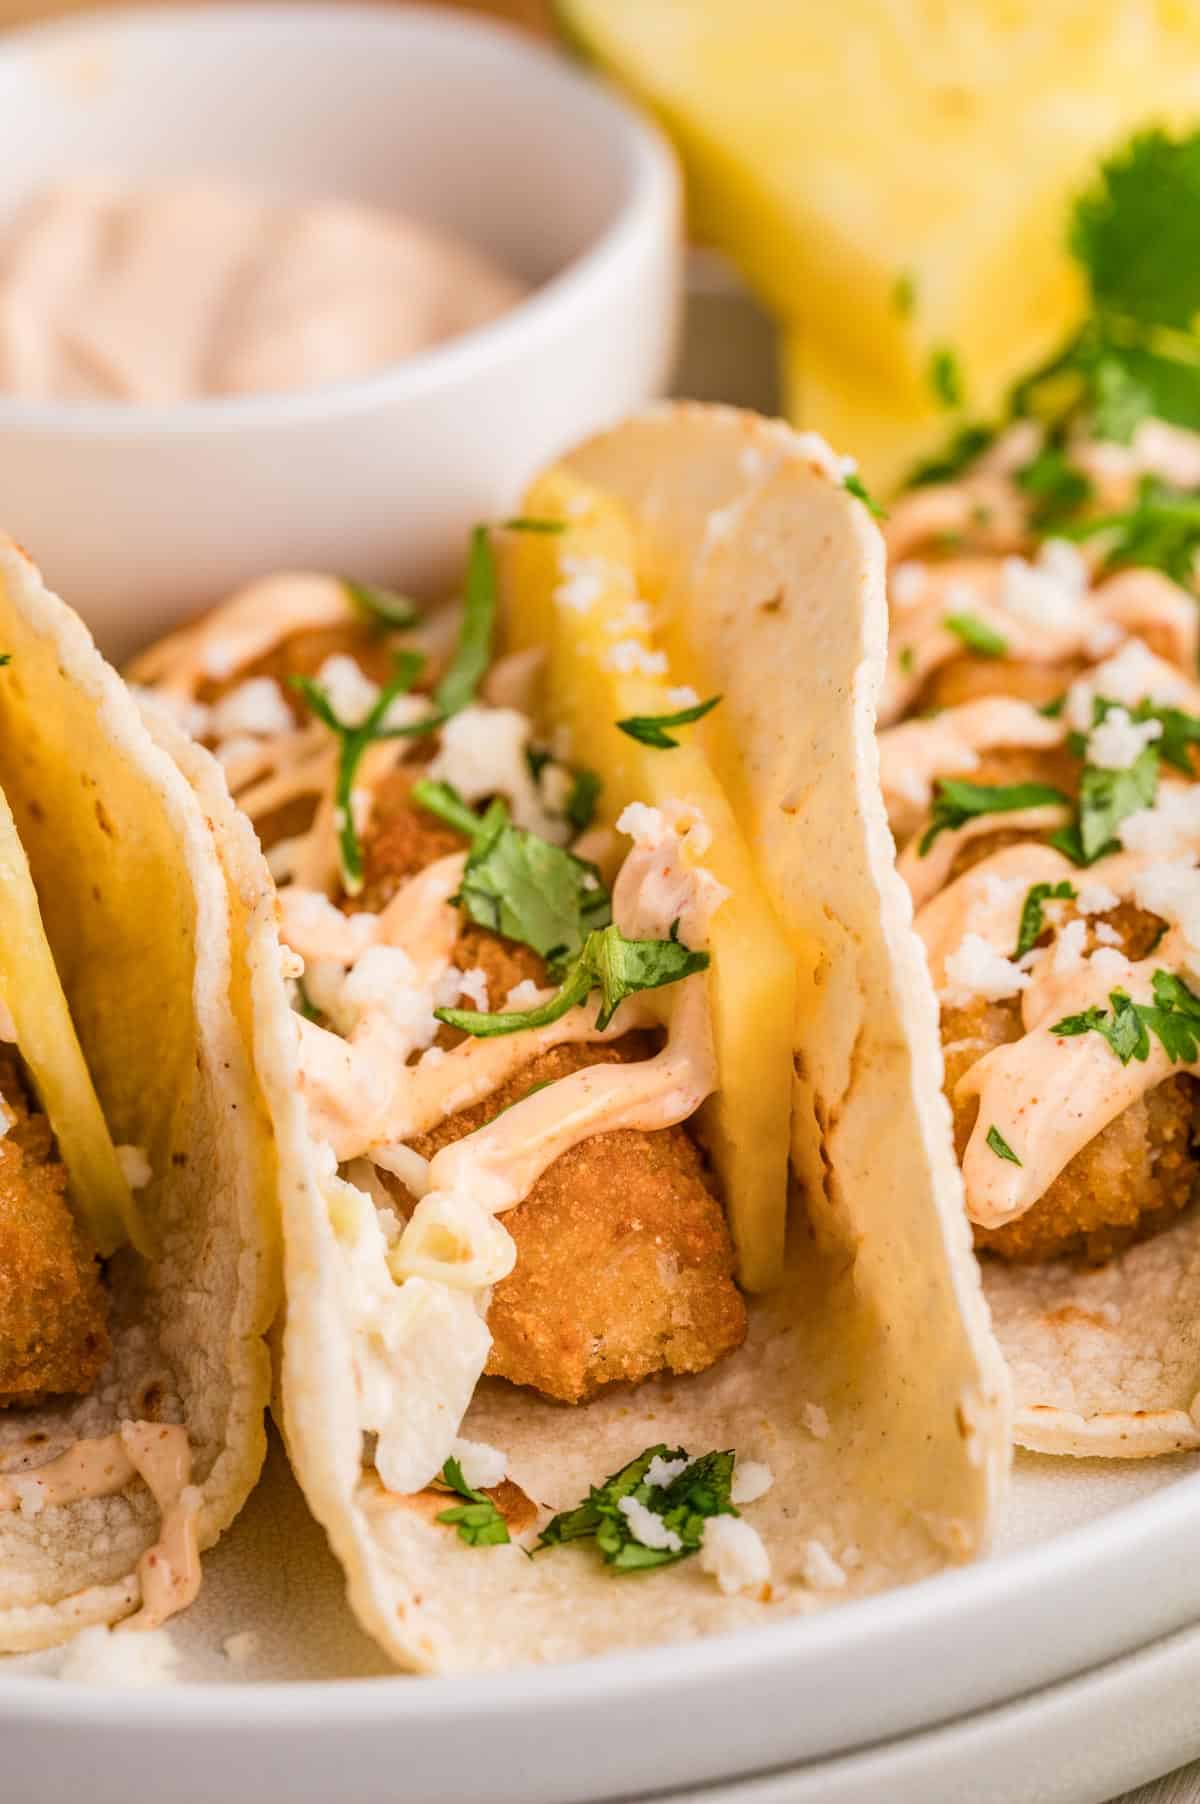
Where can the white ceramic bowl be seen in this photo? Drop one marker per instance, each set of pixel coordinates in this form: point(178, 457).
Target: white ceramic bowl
point(138, 515)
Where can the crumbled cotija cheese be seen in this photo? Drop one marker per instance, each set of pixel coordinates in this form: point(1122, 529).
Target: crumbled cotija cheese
point(735, 1555)
point(135, 1166)
point(102, 1656)
point(1118, 742)
point(647, 1527)
point(481, 1465)
point(751, 1481)
point(908, 584)
point(628, 657)
point(977, 969)
point(256, 707)
point(820, 1571)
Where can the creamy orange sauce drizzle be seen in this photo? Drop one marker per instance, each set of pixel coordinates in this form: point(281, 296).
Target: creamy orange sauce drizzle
point(159, 1454)
point(373, 1080)
point(913, 755)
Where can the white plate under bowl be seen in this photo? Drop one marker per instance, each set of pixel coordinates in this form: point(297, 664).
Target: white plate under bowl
point(1101, 1562)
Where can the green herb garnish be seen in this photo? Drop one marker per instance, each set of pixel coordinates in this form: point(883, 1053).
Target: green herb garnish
point(977, 635)
point(956, 802)
point(1161, 531)
point(945, 377)
point(531, 523)
point(1057, 488)
point(651, 729)
point(1173, 1017)
point(383, 606)
point(854, 485)
point(698, 1493)
point(607, 962)
point(904, 294)
point(967, 444)
point(474, 650)
point(1109, 797)
point(580, 807)
point(1033, 914)
point(1000, 1146)
point(519, 885)
point(353, 741)
point(478, 1521)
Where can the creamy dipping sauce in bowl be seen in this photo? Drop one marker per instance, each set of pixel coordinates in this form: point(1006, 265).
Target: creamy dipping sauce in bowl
point(157, 296)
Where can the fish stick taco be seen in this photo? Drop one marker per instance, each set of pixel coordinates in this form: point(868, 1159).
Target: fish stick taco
point(136, 1161)
point(602, 1327)
point(1041, 717)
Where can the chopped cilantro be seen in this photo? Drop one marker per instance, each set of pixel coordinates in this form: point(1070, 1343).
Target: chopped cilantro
point(651, 729)
point(1108, 797)
point(967, 444)
point(904, 294)
point(352, 743)
point(607, 962)
point(1033, 914)
point(693, 1497)
point(383, 606)
point(907, 660)
point(530, 523)
point(956, 802)
point(1052, 710)
point(945, 377)
point(580, 807)
point(1161, 531)
point(478, 1521)
point(473, 652)
point(6, 657)
point(1058, 489)
point(854, 485)
point(519, 885)
point(977, 635)
point(1000, 1146)
point(1173, 1017)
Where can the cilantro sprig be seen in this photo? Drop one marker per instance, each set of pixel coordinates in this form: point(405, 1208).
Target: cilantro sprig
point(1161, 531)
point(478, 1521)
point(698, 1493)
point(353, 739)
point(1173, 1017)
point(1106, 800)
point(956, 802)
point(977, 635)
point(1000, 1146)
point(854, 485)
point(518, 884)
point(651, 729)
point(582, 797)
point(383, 607)
point(607, 962)
point(1033, 913)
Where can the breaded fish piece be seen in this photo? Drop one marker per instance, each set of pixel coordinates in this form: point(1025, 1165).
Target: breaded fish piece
point(1135, 1174)
point(624, 1261)
point(53, 1331)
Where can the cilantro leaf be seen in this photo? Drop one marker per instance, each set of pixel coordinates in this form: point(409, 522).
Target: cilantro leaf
point(1000, 1146)
point(1032, 912)
point(519, 885)
point(904, 294)
point(977, 635)
point(1173, 1017)
point(945, 377)
point(1137, 234)
point(1108, 797)
point(478, 1521)
point(650, 729)
point(607, 961)
point(967, 444)
point(1057, 488)
point(532, 523)
point(698, 1493)
point(854, 485)
point(383, 606)
point(1161, 531)
point(474, 650)
point(580, 807)
point(956, 802)
point(353, 741)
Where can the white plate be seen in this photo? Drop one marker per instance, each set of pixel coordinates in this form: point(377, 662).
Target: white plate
point(1100, 1560)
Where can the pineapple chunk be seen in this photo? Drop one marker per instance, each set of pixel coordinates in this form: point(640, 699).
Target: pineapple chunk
point(31, 993)
point(746, 1125)
point(928, 150)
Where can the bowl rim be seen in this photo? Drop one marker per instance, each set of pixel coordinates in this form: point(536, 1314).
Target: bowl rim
point(651, 202)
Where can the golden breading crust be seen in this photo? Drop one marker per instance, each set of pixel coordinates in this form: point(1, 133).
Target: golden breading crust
point(1137, 1171)
point(53, 1332)
point(624, 1262)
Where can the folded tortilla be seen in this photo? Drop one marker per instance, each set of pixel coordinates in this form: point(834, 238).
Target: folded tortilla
point(137, 920)
point(868, 1382)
